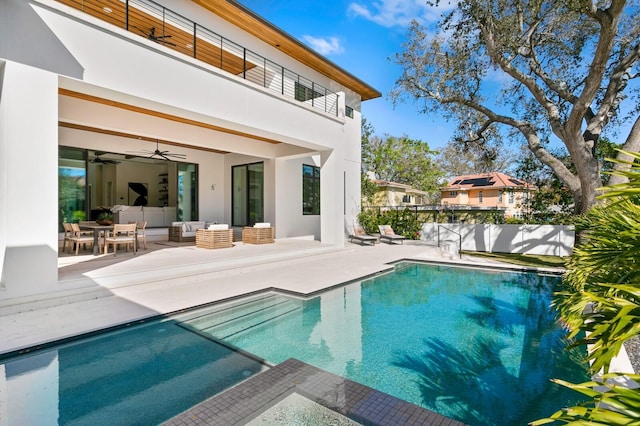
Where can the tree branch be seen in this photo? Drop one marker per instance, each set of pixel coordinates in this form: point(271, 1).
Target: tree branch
point(608, 20)
point(537, 92)
point(533, 141)
point(619, 79)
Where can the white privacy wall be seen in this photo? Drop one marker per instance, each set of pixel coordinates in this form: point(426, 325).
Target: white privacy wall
point(555, 240)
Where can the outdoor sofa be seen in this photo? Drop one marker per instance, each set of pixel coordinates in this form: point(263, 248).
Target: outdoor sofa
point(185, 231)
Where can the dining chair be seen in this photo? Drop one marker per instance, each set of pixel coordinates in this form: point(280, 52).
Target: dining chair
point(68, 234)
point(141, 229)
point(121, 234)
point(79, 236)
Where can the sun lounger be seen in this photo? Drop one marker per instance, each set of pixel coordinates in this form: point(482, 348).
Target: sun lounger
point(387, 234)
point(362, 237)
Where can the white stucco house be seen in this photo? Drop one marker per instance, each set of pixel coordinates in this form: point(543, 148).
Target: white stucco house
point(190, 109)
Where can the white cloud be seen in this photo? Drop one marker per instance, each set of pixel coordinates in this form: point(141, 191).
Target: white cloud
point(324, 46)
point(392, 13)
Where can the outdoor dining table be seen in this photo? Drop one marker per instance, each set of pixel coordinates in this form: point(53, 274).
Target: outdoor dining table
point(96, 233)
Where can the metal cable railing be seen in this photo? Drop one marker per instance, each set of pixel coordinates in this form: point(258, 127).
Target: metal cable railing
point(163, 26)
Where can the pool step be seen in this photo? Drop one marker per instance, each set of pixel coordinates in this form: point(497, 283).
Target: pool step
point(232, 319)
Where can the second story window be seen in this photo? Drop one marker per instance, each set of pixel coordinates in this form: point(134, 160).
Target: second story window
point(304, 93)
point(499, 196)
point(348, 111)
point(479, 196)
point(511, 197)
point(310, 190)
point(453, 193)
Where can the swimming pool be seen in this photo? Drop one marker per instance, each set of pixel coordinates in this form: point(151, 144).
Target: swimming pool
point(475, 345)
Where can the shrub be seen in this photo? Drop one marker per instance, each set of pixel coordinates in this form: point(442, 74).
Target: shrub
point(403, 222)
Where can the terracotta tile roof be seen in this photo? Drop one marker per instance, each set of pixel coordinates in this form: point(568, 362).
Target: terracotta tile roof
point(486, 180)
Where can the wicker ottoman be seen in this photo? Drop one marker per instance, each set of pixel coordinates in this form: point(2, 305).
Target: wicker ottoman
point(214, 238)
point(252, 235)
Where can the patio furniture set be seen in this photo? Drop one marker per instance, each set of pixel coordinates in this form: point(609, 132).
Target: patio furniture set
point(102, 235)
point(218, 235)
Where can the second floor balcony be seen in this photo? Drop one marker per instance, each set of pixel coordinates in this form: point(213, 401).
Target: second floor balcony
point(150, 20)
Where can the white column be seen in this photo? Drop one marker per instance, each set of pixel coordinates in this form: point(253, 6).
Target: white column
point(28, 180)
point(331, 198)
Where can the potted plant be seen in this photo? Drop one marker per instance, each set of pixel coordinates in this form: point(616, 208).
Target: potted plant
point(105, 218)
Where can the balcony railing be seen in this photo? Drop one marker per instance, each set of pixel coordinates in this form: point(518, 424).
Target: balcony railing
point(163, 26)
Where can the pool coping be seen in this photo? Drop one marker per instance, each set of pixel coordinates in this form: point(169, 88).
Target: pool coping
point(359, 403)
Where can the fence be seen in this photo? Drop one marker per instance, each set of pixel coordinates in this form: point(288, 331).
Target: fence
point(555, 240)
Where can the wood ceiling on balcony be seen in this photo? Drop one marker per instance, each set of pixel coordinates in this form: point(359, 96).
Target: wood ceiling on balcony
point(145, 24)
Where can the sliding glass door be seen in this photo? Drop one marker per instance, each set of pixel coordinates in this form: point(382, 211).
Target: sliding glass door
point(187, 191)
point(248, 194)
point(72, 185)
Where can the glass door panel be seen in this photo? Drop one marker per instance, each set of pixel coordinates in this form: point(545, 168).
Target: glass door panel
point(187, 191)
point(256, 193)
point(72, 185)
point(247, 194)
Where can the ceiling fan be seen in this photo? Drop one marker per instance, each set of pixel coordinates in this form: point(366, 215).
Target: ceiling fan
point(162, 154)
point(151, 35)
point(100, 160)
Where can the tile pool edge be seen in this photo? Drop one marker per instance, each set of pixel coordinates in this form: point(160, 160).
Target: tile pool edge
point(254, 396)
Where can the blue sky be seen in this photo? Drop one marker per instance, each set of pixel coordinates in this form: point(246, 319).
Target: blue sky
point(361, 37)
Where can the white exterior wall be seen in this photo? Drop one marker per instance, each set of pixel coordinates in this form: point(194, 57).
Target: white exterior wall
point(288, 181)
point(554, 240)
point(29, 180)
point(64, 49)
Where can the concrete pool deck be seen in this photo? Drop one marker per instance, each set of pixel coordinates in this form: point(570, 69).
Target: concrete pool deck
point(98, 292)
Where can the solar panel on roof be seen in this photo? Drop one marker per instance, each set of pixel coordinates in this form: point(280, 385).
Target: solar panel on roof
point(516, 181)
point(456, 182)
point(484, 181)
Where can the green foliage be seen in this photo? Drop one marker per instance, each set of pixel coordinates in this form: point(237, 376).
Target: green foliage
point(78, 215)
point(403, 222)
point(402, 160)
point(368, 188)
point(602, 302)
point(105, 216)
point(613, 402)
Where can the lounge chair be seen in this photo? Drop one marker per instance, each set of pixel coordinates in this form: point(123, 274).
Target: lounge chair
point(387, 233)
point(362, 237)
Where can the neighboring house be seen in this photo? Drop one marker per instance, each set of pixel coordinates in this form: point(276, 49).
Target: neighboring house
point(396, 194)
point(493, 189)
point(192, 109)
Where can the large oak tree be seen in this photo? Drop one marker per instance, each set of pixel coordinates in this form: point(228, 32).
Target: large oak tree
point(564, 68)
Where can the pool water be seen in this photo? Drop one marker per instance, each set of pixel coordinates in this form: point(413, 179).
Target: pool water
point(139, 375)
point(479, 346)
point(475, 345)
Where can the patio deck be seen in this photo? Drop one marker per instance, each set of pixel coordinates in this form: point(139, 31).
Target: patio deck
point(98, 292)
